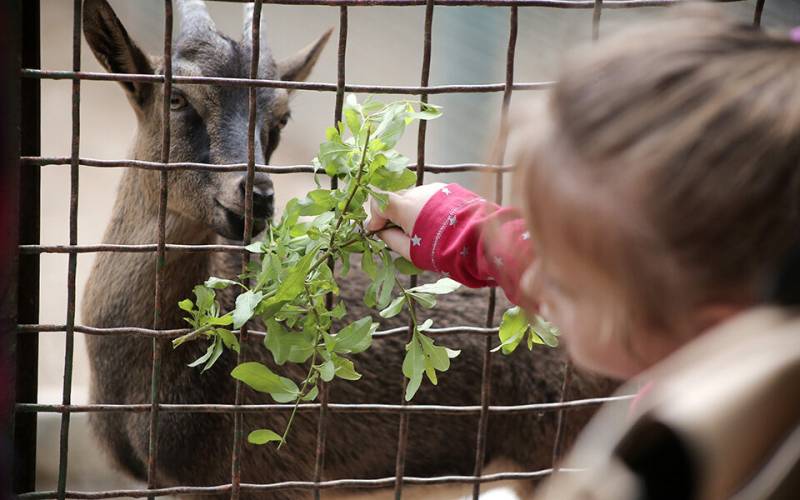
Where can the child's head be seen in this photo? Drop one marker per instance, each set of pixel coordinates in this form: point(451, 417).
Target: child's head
point(665, 186)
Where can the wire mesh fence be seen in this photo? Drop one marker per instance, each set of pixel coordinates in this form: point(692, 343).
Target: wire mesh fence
point(30, 160)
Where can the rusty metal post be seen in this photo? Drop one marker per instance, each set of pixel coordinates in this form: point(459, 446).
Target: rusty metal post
point(27, 346)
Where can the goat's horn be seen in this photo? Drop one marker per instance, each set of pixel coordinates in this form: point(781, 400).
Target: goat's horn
point(195, 14)
point(247, 25)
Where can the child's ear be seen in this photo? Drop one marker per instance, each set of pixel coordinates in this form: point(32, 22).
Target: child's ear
point(710, 315)
point(114, 48)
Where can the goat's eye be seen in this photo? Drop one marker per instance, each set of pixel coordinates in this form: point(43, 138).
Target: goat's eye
point(177, 102)
point(283, 121)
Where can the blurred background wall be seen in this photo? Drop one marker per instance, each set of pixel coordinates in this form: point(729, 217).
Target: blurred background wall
point(384, 47)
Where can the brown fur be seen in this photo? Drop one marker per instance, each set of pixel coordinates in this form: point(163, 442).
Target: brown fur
point(195, 448)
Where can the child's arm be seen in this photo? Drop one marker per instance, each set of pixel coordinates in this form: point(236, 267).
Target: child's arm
point(450, 230)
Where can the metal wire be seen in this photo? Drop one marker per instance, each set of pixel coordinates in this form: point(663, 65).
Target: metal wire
point(159, 335)
point(174, 333)
point(301, 485)
point(255, 46)
point(335, 407)
point(72, 264)
point(37, 161)
point(282, 84)
point(486, 369)
point(158, 344)
point(402, 433)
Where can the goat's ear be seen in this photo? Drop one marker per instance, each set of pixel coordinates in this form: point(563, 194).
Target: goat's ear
point(299, 66)
point(114, 48)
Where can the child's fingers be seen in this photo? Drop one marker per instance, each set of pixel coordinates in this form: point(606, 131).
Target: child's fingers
point(403, 207)
point(396, 211)
point(397, 240)
point(377, 219)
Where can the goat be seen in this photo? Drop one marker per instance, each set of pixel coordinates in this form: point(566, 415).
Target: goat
point(209, 125)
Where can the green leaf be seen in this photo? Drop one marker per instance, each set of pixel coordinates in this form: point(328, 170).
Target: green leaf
point(229, 339)
point(531, 340)
point(245, 307)
point(385, 280)
point(345, 368)
point(186, 304)
point(406, 267)
point(205, 357)
point(436, 355)
point(327, 370)
point(333, 154)
point(426, 112)
point(394, 308)
point(426, 300)
point(426, 325)
point(290, 214)
point(316, 202)
point(205, 297)
point(295, 347)
point(413, 367)
point(512, 329)
point(221, 320)
point(215, 354)
point(312, 394)
point(263, 436)
point(387, 180)
point(545, 331)
point(352, 114)
point(443, 286)
point(370, 106)
point(262, 379)
point(339, 310)
point(292, 285)
point(370, 293)
point(355, 337)
point(391, 126)
point(218, 283)
point(255, 247)
point(368, 264)
point(395, 162)
point(452, 353)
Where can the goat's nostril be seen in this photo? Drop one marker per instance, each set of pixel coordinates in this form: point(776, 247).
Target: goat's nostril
point(263, 200)
point(260, 190)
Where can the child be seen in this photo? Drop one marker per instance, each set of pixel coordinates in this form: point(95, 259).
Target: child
point(661, 193)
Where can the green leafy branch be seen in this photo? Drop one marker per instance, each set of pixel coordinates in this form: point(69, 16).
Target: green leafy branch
point(287, 284)
point(516, 326)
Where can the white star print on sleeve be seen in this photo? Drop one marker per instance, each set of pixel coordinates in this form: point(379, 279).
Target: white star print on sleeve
point(416, 240)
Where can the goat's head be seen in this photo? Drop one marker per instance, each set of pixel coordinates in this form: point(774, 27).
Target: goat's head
point(208, 123)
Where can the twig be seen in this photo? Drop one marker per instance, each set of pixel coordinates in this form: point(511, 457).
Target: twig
point(308, 375)
point(191, 335)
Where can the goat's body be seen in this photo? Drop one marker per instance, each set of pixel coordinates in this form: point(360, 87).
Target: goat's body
point(195, 448)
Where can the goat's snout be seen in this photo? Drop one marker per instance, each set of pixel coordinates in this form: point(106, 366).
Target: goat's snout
point(263, 195)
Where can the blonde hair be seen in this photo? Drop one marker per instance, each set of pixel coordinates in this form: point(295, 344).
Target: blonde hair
point(677, 144)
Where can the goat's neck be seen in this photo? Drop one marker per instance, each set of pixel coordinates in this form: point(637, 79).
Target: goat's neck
point(135, 215)
point(135, 221)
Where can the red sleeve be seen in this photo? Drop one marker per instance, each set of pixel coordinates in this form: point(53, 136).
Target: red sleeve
point(471, 240)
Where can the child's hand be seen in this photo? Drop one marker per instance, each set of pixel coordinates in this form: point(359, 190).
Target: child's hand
point(403, 209)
